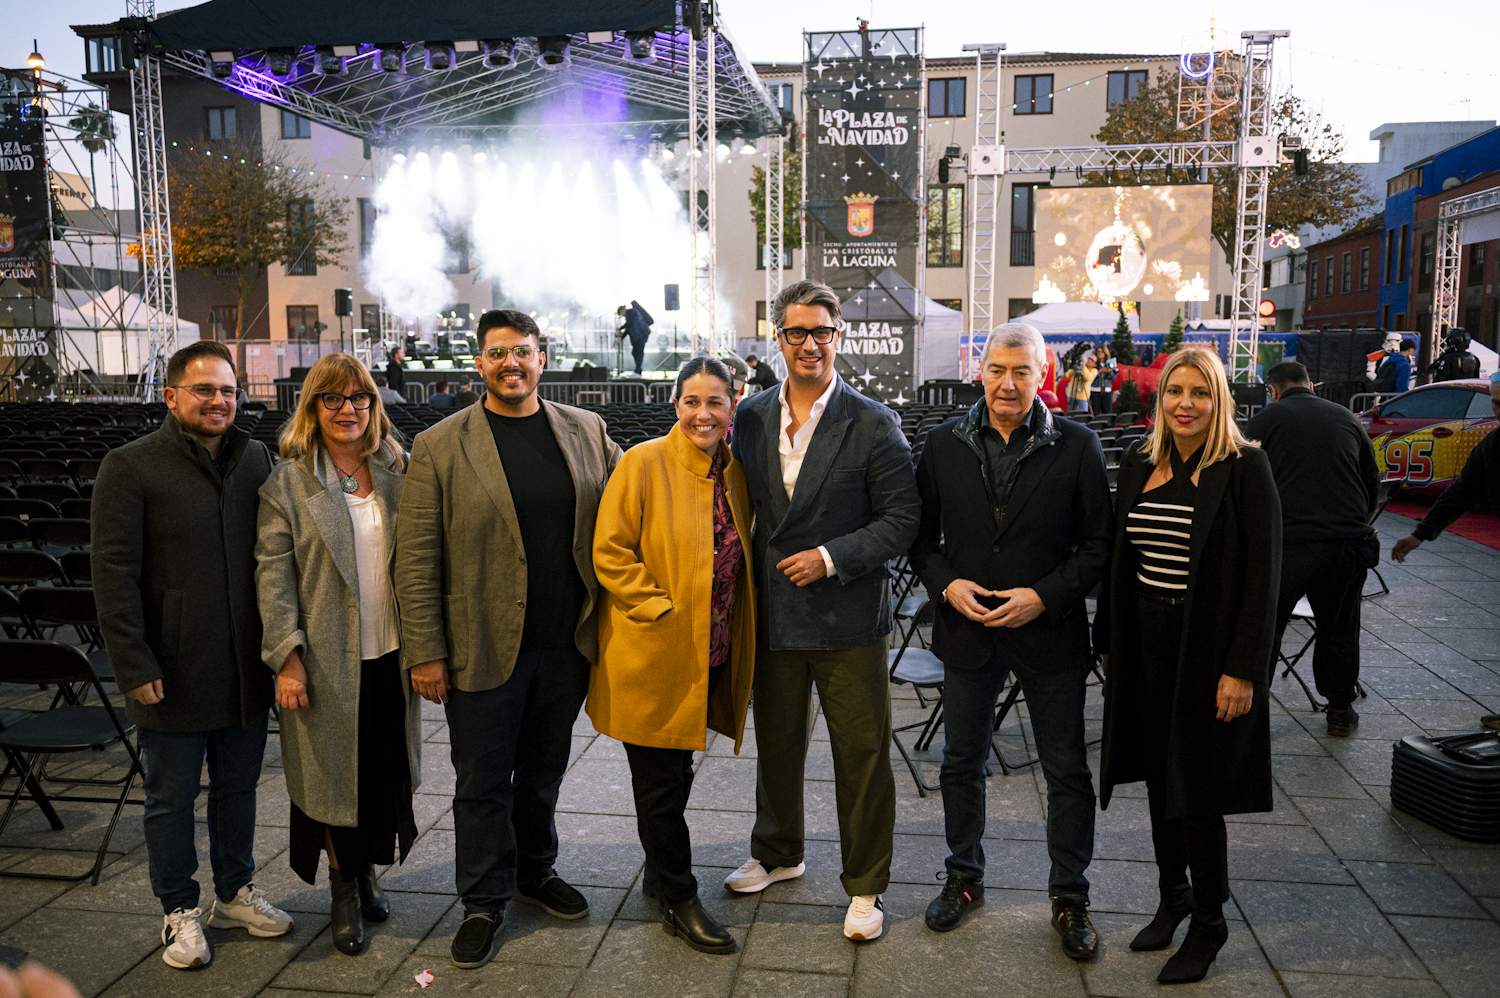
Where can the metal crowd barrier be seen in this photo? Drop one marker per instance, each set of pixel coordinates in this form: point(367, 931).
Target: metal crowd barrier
point(1357, 403)
point(594, 392)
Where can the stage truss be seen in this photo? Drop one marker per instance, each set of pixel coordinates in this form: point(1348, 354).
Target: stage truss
point(1449, 261)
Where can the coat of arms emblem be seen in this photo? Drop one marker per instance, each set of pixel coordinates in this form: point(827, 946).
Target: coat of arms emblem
point(861, 213)
point(7, 233)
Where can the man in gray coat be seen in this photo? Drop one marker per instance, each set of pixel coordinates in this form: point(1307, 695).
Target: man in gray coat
point(174, 581)
point(495, 581)
point(835, 499)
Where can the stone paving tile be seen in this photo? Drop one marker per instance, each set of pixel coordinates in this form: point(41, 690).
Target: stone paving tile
point(1470, 677)
point(1123, 885)
point(753, 983)
point(1361, 830)
point(1278, 852)
point(1429, 651)
point(638, 958)
point(799, 937)
point(1323, 929)
point(321, 967)
point(1241, 970)
point(1476, 869)
point(530, 935)
point(1448, 715)
point(1368, 761)
point(725, 784)
point(242, 965)
point(1311, 776)
point(598, 850)
point(93, 949)
point(598, 787)
point(725, 907)
point(1300, 985)
point(1463, 954)
point(495, 978)
point(1407, 684)
point(1409, 889)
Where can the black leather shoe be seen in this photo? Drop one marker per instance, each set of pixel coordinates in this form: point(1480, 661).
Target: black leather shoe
point(949, 908)
point(695, 926)
point(373, 903)
point(1341, 723)
point(348, 923)
point(1071, 920)
point(1169, 915)
point(554, 896)
point(474, 945)
point(1206, 935)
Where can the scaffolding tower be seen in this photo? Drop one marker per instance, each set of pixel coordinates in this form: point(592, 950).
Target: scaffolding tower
point(988, 66)
point(1446, 266)
point(158, 266)
point(775, 212)
point(702, 186)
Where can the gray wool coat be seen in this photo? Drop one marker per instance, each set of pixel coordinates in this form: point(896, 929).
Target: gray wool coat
point(307, 583)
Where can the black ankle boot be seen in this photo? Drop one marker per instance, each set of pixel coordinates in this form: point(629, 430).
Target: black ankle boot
point(373, 903)
point(348, 924)
point(1175, 906)
point(1206, 935)
point(696, 927)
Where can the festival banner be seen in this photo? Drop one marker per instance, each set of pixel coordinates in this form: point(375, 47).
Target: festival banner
point(863, 118)
point(27, 327)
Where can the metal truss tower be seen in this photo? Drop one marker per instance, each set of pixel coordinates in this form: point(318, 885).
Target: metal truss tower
point(1449, 259)
point(703, 130)
point(775, 214)
point(158, 268)
point(984, 230)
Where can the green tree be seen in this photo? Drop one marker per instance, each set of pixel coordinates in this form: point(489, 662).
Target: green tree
point(791, 202)
point(95, 130)
point(242, 210)
point(1330, 193)
point(1128, 399)
point(1122, 347)
point(1172, 342)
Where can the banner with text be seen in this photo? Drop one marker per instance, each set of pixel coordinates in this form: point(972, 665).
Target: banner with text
point(27, 333)
point(865, 192)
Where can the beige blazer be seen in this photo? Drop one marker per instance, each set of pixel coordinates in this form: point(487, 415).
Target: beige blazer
point(460, 561)
point(307, 585)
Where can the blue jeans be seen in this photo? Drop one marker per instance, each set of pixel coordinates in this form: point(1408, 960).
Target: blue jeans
point(173, 761)
point(1055, 703)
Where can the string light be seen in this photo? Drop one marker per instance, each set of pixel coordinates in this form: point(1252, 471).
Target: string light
point(1389, 65)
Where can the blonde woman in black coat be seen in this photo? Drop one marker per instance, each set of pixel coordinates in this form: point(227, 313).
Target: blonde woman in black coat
point(1187, 624)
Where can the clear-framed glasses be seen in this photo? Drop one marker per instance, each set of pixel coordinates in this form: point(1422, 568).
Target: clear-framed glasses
point(523, 353)
point(334, 401)
point(796, 336)
point(206, 393)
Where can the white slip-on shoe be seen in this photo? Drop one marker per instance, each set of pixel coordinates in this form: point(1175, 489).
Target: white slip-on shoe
point(182, 935)
point(865, 919)
point(754, 876)
point(250, 911)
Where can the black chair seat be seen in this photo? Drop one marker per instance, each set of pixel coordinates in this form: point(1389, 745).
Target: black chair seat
point(50, 492)
point(63, 532)
point(919, 667)
point(28, 509)
point(67, 728)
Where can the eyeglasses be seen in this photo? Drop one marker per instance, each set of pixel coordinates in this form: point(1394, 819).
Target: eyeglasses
point(335, 401)
point(206, 393)
point(522, 353)
point(796, 337)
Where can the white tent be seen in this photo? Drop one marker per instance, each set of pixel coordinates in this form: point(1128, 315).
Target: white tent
point(940, 342)
point(1082, 319)
point(90, 336)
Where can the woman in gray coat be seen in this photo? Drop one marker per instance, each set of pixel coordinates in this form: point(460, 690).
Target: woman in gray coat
point(350, 729)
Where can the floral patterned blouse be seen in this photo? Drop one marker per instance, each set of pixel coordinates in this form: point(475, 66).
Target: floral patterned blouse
point(729, 558)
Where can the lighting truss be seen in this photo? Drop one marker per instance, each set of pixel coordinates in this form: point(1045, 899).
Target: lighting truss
point(775, 202)
point(1126, 159)
point(702, 171)
point(988, 63)
point(1449, 259)
point(158, 266)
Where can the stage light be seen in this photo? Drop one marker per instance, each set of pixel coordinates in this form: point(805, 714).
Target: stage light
point(440, 56)
point(279, 62)
point(723, 148)
point(480, 157)
point(667, 153)
point(392, 57)
point(399, 156)
point(468, 45)
point(641, 45)
point(327, 62)
point(500, 53)
point(223, 64)
point(346, 51)
point(35, 60)
point(748, 149)
point(554, 51)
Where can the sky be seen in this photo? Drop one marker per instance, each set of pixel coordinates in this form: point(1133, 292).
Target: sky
point(1361, 65)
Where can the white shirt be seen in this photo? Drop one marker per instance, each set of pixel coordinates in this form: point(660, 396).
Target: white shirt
point(793, 449)
point(377, 604)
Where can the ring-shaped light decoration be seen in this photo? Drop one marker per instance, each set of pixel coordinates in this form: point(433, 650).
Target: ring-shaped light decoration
point(1186, 64)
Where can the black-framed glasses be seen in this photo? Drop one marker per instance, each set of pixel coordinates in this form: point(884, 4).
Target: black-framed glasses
point(334, 401)
point(822, 335)
point(523, 353)
point(206, 393)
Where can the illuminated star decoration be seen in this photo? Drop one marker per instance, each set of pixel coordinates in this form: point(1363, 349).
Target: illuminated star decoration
point(854, 90)
point(867, 377)
point(820, 68)
point(23, 377)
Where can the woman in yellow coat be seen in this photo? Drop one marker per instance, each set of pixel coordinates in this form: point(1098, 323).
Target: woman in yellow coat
point(677, 628)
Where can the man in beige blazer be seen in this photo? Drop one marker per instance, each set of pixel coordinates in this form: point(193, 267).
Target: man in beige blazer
point(495, 582)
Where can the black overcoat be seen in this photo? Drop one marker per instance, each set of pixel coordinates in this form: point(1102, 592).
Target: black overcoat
point(1229, 629)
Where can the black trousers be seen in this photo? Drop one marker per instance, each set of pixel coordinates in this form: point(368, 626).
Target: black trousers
point(1329, 575)
point(638, 352)
point(662, 780)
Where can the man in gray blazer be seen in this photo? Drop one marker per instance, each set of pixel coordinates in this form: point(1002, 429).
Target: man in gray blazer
point(495, 581)
point(174, 580)
point(835, 499)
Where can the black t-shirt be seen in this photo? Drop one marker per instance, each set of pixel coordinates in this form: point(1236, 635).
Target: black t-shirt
point(541, 487)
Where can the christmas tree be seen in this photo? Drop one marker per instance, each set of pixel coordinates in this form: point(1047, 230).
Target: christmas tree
point(1173, 340)
point(1128, 399)
point(1122, 348)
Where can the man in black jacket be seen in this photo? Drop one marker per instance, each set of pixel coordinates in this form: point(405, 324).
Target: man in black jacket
point(395, 371)
point(830, 476)
point(1016, 530)
point(1329, 484)
point(174, 580)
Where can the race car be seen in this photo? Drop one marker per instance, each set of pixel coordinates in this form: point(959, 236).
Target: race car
point(1423, 437)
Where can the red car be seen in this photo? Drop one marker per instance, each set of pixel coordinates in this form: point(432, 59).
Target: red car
point(1424, 436)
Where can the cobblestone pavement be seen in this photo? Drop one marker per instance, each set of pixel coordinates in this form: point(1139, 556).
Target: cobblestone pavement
point(1334, 893)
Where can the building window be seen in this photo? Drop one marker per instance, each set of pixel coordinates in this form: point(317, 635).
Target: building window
point(1033, 94)
point(1390, 254)
point(220, 123)
point(945, 98)
point(1401, 321)
point(1477, 254)
point(1017, 307)
point(300, 219)
point(369, 318)
point(1346, 274)
point(367, 216)
point(1425, 262)
point(1404, 255)
point(1312, 279)
point(1471, 322)
point(302, 323)
point(223, 320)
point(760, 257)
point(945, 226)
point(1023, 224)
point(781, 93)
point(1364, 269)
point(294, 126)
point(1124, 86)
point(760, 321)
point(957, 304)
point(1385, 317)
point(103, 55)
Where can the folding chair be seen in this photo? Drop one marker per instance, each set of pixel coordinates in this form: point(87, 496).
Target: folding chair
point(923, 671)
point(77, 509)
point(13, 532)
point(1303, 612)
point(64, 729)
point(78, 566)
point(1010, 697)
point(49, 492)
point(28, 509)
point(19, 567)
point(13, 619)
point(63, 533)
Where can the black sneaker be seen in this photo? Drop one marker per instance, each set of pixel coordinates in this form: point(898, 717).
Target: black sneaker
point(1341, 723)
point(1071, 920)
point(475, 945)
point(554, 896)
point(949, 908)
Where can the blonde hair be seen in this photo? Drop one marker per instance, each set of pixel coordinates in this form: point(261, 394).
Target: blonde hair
point(301, 434)
point(1224, 437)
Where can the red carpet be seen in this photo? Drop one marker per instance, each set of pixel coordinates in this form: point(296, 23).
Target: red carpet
point(1480, 525)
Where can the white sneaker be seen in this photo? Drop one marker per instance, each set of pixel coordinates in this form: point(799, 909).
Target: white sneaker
point(182, 935)
point(753, 877)
point(250, 911)
point(866, 918)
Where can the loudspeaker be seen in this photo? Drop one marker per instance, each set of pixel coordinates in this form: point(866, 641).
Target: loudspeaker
point(343, 301)
point(673, 303)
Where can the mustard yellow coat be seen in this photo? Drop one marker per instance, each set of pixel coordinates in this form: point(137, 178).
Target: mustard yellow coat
point(653, 556)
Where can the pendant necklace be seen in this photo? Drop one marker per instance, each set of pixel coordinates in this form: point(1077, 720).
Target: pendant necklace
point(348, 482)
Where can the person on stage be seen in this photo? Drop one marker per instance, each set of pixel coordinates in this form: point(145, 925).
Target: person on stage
point(1186, 623)
point(635, 326)
point(676, 627)
point(351, 733)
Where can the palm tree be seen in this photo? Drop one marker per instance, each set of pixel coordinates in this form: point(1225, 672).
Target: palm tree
point(96, 130)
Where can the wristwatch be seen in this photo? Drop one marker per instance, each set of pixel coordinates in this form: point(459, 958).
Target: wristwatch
point(943, 596)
